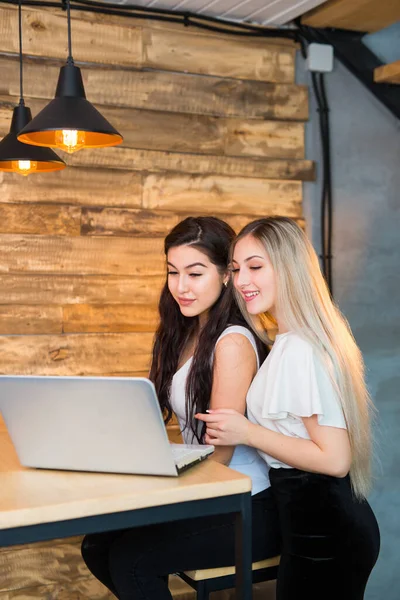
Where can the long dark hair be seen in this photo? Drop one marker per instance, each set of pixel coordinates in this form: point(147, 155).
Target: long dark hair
point(213, 237)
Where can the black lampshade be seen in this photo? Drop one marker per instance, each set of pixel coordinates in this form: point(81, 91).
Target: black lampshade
point(70, 122)
point(17, 157)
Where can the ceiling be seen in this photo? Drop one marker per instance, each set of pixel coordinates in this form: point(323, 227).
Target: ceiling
point(263, 12)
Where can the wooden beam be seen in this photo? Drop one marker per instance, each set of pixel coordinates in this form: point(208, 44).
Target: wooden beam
point(90, 187)
point(91, 41)
point(40, 219)
point(224, 195)
point(154, 161)
point(37, 289)
point(195, 164)
point(388, 73)
point(83, 255)
point(166, 91)
point(134, 222)
point(239, 58)
point(26, 320)
point(355, 15)
point(83, 354)
point(161, 130)
point(129, 45)
point(148, 23)
point(117, 318)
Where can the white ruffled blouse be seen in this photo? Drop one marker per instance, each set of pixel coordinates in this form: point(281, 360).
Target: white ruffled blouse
point(293, 382)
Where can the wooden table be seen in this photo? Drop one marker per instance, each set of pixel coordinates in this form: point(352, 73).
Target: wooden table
point(37, 505)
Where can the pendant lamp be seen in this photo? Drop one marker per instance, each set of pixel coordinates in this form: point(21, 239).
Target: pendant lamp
point(16, 157)
point(70, 122)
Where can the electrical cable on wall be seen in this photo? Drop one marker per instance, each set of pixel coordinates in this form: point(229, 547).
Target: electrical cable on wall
point(326, 205)
point(326, 191)
point(185, 18)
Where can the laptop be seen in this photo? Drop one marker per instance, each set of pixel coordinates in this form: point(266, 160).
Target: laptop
point(102, 424)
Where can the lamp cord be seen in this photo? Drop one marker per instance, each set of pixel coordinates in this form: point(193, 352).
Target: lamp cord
point(70, 60)
point(21, 84)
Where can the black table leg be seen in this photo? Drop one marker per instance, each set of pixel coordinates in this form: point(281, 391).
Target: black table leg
point(243, 550)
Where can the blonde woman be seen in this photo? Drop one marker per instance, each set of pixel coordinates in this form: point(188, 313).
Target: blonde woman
point(308, 415)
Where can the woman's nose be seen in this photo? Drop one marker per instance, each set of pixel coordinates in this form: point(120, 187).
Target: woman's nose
point(241, 279)
point(182, 284)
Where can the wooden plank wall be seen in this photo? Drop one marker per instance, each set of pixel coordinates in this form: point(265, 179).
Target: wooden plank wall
point(213, 124)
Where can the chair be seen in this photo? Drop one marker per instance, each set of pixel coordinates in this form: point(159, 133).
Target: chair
point(212, 580)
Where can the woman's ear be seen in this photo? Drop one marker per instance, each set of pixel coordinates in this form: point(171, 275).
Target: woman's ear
point(226, 279)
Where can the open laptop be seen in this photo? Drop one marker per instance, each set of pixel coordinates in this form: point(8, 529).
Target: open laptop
point(104, 424)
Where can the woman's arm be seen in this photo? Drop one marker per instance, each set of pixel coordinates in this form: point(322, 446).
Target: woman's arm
point(328, 451)
point(235, 365)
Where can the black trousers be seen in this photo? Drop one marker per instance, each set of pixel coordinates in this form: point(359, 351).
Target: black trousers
point(330, 540)
point(134, 563)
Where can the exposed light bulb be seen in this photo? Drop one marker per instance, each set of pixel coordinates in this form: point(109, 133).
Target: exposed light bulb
point(70, 140)
point(24, 167)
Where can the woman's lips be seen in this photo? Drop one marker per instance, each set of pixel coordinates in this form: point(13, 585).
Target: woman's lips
point(185, 301)
point(249, 296)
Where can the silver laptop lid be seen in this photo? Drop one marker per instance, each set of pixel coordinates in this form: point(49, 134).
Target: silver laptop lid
point(86, 423)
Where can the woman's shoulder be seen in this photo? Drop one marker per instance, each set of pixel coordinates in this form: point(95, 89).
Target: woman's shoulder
point(292, 344)
point(236, 334)
point(296, 355)
point(236, 338)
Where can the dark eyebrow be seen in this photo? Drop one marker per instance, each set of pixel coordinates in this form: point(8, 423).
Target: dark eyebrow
point(249, 258)
point(197, 264)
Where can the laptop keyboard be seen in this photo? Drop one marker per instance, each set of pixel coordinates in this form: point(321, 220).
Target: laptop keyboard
point(180, 453)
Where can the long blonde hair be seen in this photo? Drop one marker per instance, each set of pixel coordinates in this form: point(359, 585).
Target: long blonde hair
point(305, 306)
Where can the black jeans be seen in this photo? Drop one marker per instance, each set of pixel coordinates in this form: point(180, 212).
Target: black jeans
point(134, 563)
point(330, 540)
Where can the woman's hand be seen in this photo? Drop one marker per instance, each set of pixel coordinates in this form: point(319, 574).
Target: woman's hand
point(225, 427)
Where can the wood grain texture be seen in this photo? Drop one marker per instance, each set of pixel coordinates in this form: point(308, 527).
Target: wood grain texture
point(154, 161)
point(84, 354)
point(120, 45)
point(205, 55)
point(388, 73)
point(81, 255)
point(124, 222)
point(41, 565)
point(82, 589)
point(357, 15)
point(166, 91)
point(120, 318)
point(28, 319)
point(124, 44)
point(222, 195)
point(88, 187)
point(160, 130)
point(148, 23)
point(127, 222)
point(34, 289)
point(87, 588)
point(40, 219)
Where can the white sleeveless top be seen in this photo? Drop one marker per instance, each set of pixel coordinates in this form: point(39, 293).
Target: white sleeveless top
point(244, 459)
point(293, 382)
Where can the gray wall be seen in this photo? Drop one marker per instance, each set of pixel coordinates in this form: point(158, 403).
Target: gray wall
point(366, 267)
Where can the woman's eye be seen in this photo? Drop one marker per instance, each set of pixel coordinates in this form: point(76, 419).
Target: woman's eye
point(172, 273)
point(254, 268)
point(234, 270)
point(196, 274)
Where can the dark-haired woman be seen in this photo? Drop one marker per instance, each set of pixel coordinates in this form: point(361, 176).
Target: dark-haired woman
point(204, 357)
